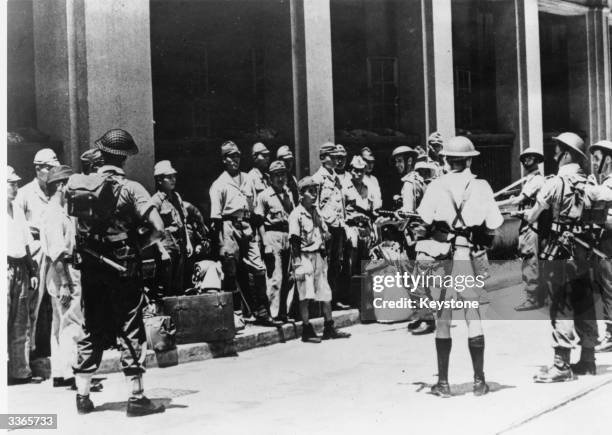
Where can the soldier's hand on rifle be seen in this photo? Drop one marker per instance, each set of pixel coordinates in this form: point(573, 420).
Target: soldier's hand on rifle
point(189, 248)
point(33, 283)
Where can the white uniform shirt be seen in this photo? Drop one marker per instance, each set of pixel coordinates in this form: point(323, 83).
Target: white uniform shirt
point(479, 206)
point(32, 201)
point(374, 188)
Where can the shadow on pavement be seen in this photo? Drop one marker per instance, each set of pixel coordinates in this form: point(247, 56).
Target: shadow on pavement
point(462, 389)
point(121, 406)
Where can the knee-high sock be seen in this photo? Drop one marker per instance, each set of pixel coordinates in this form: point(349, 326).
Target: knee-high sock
point(135, 385)
point(443, 348)
point(476, 346)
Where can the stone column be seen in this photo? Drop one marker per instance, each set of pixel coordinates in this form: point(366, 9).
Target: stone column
point(313, 104)
point(518, 76)
point(437, 39)
point(589, 74)
point(93, 73)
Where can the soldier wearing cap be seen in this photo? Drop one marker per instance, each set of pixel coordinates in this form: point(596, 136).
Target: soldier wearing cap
point(58, 243)
point(307, 234)
point(258, 176)
point(32, 199)
point(435, 143)
point(359, 213)
point(91, 161)
point(330, 204)
point(286, 156)
point(462, 207)
point(174, 215)
point(274, 206)
point(566, 267)
point(112, 300)
point(601, 154)
point(534, 291)
point(22, 283)
point(232, 201)
point(369, 179)
point(344, 176)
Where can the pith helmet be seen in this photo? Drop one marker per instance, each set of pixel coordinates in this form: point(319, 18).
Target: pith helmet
point(163, 167)
point(403, 149)
point(573, 141)
point(11, 175)
point(603, 145)
point(533, 153)
point(358, 162)
point(459, 146)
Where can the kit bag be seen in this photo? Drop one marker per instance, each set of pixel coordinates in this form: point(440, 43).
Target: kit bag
point(92, 198)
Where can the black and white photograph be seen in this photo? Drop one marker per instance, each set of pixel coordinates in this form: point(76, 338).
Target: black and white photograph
point(307, 216)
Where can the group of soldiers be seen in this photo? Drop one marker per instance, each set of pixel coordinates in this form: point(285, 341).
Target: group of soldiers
point(274, 234)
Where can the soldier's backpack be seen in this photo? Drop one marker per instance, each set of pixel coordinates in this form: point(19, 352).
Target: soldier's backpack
point(573, 211)
point(92, 198)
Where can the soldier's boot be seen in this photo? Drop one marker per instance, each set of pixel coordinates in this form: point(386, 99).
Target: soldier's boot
point(605, 345)
point(140, 406)
point(476, 345)
point(586, 364)
point(443, 348)
point(441, 389)
point(330, 331)
point(528, 305)
point(560, 371)
point(425, 327)
point(309, 335)
point(84, 404)
point(480, 387)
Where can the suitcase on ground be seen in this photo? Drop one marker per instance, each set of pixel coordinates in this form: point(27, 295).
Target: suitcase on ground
point(201, 318)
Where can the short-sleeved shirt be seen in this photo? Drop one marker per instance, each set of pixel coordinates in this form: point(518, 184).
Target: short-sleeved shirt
point(274, 206)
point(58, 232)
point(557, 194)
point(171, 209)
point(374, 188)
point(258, 182)
point(413, 190)
point(18, 234)
point(438, 203)
point(230, 197)
point(134, 202)
point(330, 201)
point(32, 201)
point(531, 186)
point(357, 194)
point(310, 228)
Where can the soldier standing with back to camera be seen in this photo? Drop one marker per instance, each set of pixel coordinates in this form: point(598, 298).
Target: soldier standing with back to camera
point(330, 204)
point(113, 301)
point(459, 204)
point(528, 233)
point(567, 267)
point(232, 198)
point(601, 154)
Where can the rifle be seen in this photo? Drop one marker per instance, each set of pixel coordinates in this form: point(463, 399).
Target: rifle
point(400, 213)
point(509, 187)
point(102, 259)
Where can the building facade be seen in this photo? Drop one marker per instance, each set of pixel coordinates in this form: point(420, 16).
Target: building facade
point(183, 76)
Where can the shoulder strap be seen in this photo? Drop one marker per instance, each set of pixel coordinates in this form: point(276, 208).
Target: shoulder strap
point(459, 207)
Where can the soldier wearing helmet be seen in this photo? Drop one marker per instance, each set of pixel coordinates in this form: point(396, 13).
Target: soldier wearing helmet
point(601, 154)
point(534, 291)
point(566, 265)
point(402, 160)
point(462, 216)
point(113, 300)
